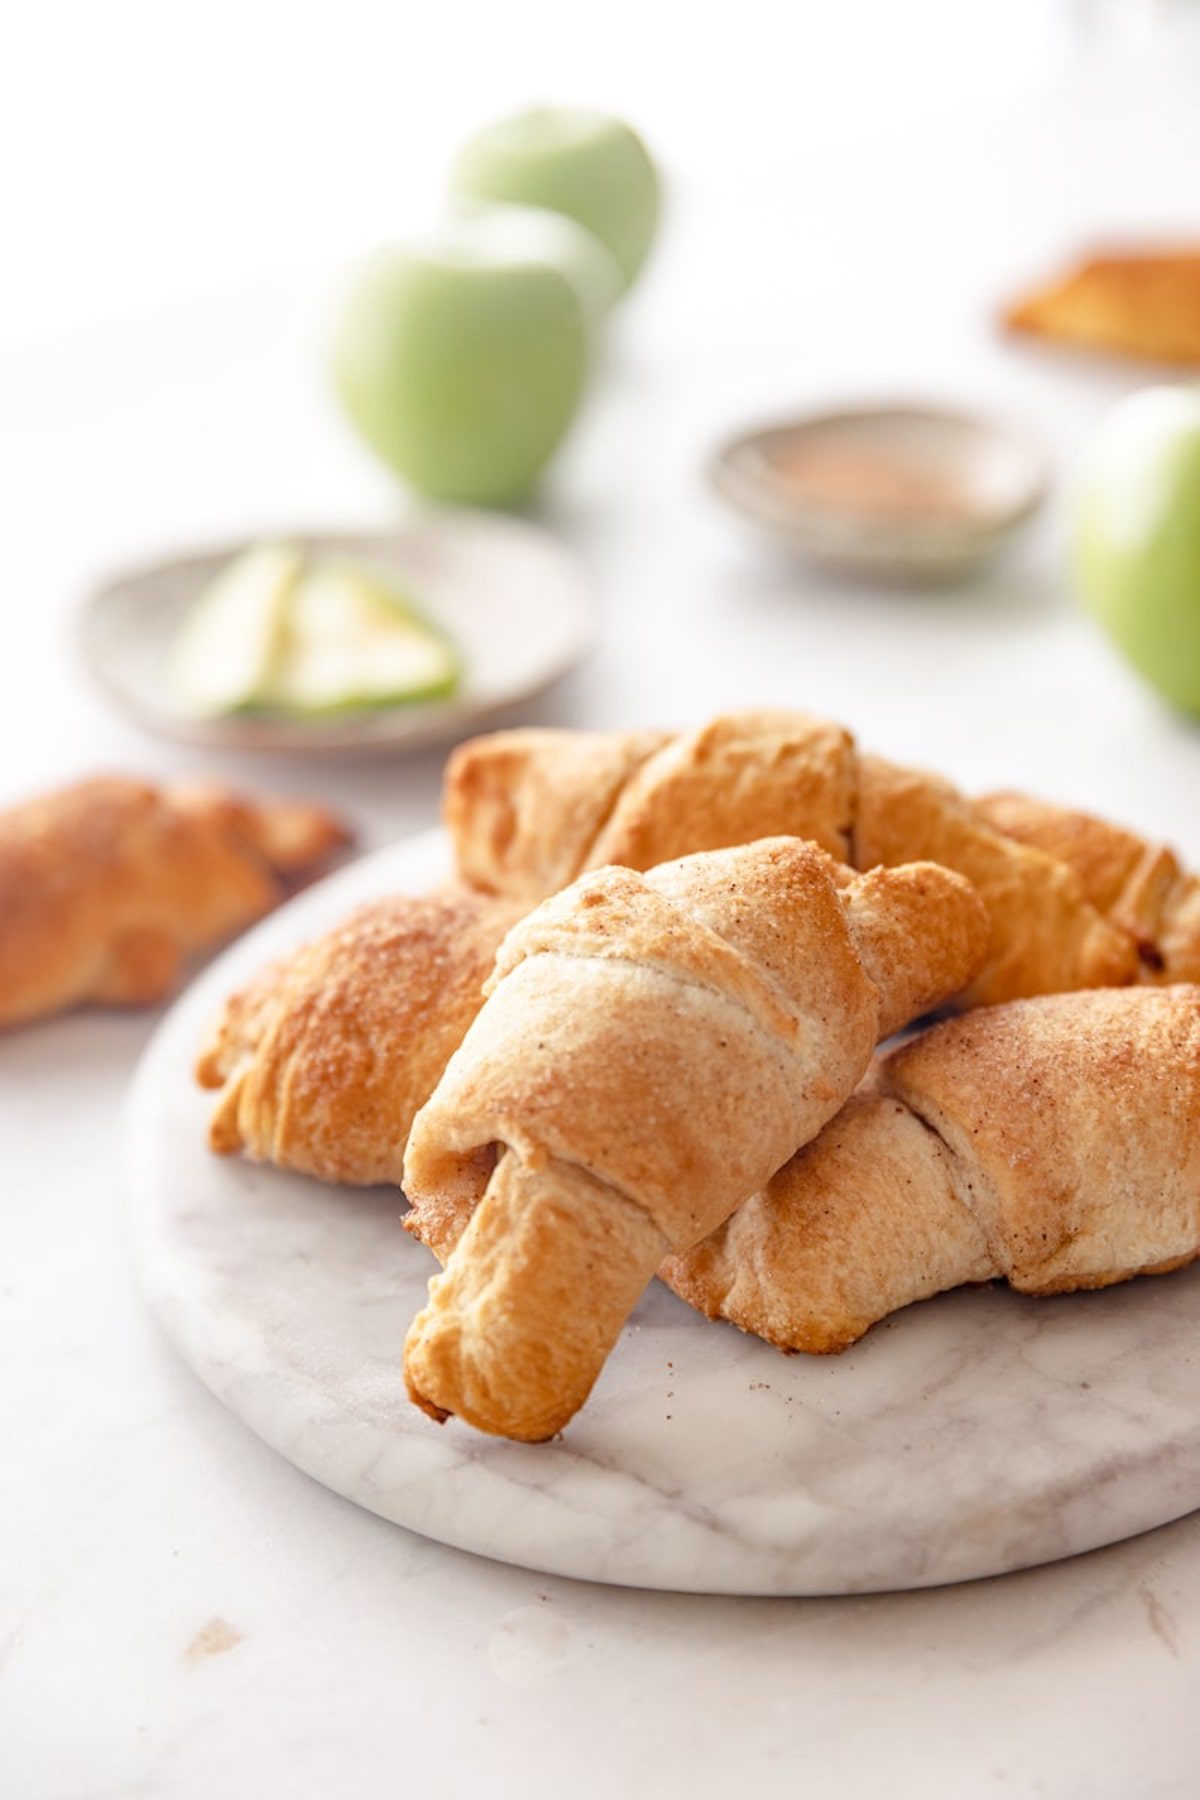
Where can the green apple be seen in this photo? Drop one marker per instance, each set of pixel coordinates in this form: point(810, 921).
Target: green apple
point(462, 360)
point(588, 165)
point(1137, 537)
point(531, 234)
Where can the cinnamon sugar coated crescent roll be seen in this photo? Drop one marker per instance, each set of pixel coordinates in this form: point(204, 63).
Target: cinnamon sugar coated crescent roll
point(1052, 1143)
point(1139, 303)
point(652, 1047)
point(108, 887)
point(325, 1058)
point(529, 810)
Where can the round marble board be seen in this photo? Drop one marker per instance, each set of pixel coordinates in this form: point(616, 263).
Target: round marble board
point(976, 1433)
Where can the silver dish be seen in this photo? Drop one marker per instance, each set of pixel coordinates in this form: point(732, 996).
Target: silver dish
point(998, 477)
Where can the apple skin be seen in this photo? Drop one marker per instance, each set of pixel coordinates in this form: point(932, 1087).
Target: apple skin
point(1137, 537)
point(462, 368)
point(532, 234)
point(588, 165)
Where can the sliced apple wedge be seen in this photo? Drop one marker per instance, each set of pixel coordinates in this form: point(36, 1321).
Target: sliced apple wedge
point(228, 646)
point(351, 640)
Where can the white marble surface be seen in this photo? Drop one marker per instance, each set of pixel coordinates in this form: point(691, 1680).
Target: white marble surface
point(976, 1434)
point(182, 1613)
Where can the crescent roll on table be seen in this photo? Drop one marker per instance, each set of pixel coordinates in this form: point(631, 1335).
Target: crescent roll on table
point(109, 886)
point(324, 1060)
point(653, 1047)
point(529, 810)
point(1054, 1143)
point(1143, 303)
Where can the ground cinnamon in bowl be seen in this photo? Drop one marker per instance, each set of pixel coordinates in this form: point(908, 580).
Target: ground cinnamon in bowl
point(902, 491)
point(863, 478)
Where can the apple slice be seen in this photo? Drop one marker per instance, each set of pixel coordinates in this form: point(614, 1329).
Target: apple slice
point(223, 656)
point(351, 641)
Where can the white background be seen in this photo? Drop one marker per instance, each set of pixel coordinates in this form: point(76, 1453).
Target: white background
point(151, 152)
point(853, 189)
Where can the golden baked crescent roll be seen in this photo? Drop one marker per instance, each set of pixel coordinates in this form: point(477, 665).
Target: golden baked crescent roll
point(1054, 1143)
point(1138, 303)
point(528, 810)
point(1139, 885)
point(1046, 935)
point(653, 1046)
point(107, 887)
point(325, 1058)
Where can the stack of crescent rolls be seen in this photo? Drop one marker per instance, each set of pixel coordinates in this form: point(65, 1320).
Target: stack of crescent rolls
point(638, 1034)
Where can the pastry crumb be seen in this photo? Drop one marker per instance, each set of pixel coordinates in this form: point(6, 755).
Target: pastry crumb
point(212, 1639)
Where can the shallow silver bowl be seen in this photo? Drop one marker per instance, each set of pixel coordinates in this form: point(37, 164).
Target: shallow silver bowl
point(1000, 478)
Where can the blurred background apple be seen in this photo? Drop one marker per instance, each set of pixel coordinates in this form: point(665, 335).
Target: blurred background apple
point(588, 165)
point(1138, 536)
point(514, 233)
point(462, 359)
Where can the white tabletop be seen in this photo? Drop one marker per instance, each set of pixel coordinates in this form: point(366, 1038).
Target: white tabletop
point(181, 1612)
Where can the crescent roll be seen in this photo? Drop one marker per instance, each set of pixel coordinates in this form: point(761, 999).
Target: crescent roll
point(325, 1058)
point(528, 810)
point(1139, 885)
point(1142, 303)
point(1052, 1143)
point(652, 1048)
point(109, 886)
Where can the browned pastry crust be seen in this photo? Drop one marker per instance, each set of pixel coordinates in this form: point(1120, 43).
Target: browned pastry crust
point(109, 886)
point(1053, 1142)
point(523, 822)
point(293, 837)
point(1046, 935)
point(324, 1059)
point(1138, 303)
point(652, 1048)
point(1139, 885)
point(529, 810)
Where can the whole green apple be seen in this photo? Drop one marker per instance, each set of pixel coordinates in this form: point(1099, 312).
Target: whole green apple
point(531, 234)
point(1137, 537)
point(462, 359)
point(588, 165)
